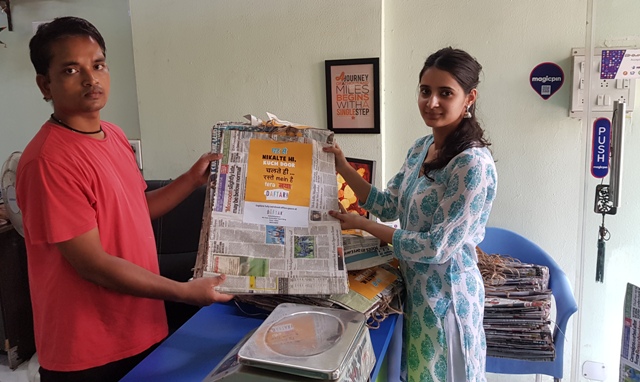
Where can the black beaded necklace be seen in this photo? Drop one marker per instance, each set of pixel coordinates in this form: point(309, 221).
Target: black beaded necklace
point(59, 122)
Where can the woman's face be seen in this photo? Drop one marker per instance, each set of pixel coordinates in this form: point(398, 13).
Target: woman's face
point(442, 101)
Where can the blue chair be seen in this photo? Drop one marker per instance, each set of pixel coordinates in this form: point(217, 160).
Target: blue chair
point(505, 242)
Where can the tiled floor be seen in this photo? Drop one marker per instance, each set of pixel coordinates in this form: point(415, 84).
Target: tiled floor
point(8, 375)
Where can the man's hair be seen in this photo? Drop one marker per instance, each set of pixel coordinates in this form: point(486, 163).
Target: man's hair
point(61, 27)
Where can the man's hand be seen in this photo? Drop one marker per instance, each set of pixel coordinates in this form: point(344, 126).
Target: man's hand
point(162, 200)
point(199, 172)
point(88, 258)
point(201, 291)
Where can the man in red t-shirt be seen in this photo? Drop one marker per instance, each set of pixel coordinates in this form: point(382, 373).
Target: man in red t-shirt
point(93, 269)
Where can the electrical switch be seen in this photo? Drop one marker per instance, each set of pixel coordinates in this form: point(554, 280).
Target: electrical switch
point(603, 92)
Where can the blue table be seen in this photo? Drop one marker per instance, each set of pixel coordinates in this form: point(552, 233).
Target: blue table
point(199, 345)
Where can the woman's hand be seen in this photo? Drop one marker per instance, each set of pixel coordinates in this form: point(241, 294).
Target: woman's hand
point(349, 220)
point(341, 160)
point(356, 221)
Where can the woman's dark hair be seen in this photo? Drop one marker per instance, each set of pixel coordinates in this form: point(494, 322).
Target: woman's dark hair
point(61, 27)
point(466, 70)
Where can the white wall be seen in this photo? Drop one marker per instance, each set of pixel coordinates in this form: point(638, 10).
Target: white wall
point(22, 110)
point(216, 61)
point(615, 25)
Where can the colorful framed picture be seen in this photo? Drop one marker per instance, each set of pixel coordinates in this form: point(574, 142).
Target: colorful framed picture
point(353, 95)
point(346, 196)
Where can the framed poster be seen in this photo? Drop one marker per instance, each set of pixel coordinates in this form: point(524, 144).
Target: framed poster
point(346, 196)
point(137, 151)
point(353, 95)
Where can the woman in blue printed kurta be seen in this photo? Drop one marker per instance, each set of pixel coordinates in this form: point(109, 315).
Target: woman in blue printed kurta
point(442, 196)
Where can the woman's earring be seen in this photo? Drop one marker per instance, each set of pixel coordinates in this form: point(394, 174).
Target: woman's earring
point(467, 114)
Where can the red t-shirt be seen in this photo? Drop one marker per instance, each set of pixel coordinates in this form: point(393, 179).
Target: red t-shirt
point(68, 184)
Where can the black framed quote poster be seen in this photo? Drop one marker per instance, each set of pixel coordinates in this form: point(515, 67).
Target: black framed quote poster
point(353, 95)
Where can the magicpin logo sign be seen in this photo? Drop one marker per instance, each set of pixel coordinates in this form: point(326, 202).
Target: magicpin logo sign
point(546, 79)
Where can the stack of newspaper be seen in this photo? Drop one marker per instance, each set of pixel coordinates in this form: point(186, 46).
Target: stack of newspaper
point(266, 224)
point(376, 292)
point(629, 350)
point(517, 309)
point(364, 250)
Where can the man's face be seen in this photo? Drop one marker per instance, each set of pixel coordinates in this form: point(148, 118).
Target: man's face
point(78, 80)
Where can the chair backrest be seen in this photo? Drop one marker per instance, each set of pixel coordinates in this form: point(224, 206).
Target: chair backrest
point(505, 242)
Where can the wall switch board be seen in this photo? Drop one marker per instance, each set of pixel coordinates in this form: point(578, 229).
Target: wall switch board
point(137, 150)
point(603, 91)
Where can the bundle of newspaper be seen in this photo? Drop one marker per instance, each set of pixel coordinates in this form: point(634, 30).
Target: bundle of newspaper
point(364, 250)
point(517, 308)
point(266, 224)
point(376, 292)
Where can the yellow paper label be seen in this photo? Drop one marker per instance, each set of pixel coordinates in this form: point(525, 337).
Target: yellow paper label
point(279, 172)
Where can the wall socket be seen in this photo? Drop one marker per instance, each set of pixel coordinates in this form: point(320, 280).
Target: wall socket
point(594, 371)
point(603, 91)
point(137, 150)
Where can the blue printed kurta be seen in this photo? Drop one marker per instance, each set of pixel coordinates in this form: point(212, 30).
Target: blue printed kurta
point(441, 223)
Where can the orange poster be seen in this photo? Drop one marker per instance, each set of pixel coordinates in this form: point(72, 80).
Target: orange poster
point(371, 281)
point(278, 187)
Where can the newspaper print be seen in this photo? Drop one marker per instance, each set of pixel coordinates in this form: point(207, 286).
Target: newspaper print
point(630, 347)
point(517, 310)
point(362, 361)
point(371, 288)
point(266, 224)
point(363, 252)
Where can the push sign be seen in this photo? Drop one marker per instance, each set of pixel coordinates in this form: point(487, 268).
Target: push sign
point(546, 79)
point(600, 149)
